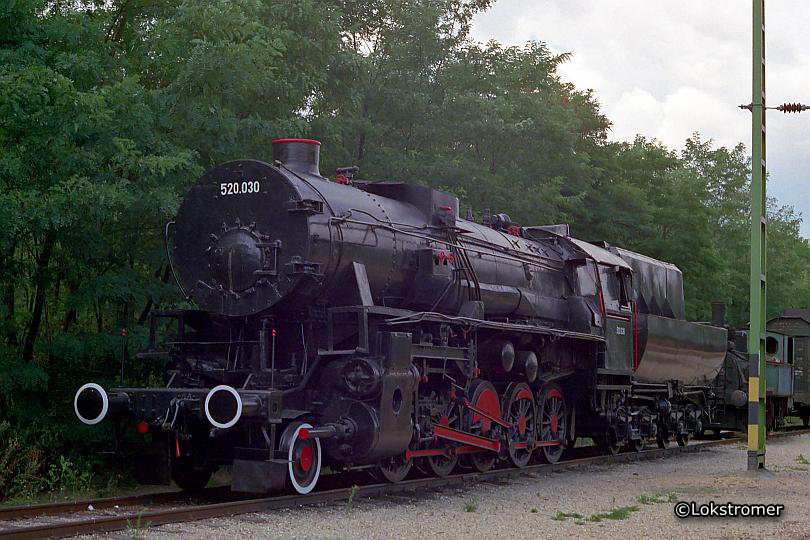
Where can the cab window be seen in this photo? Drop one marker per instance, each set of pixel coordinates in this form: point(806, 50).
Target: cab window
point(586, 277)
point(624, 283)
point(611, 287)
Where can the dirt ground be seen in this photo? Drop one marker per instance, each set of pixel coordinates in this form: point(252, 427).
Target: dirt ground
point(617, 501)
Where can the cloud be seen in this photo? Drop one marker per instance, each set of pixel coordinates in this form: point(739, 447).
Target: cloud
point(665, 69)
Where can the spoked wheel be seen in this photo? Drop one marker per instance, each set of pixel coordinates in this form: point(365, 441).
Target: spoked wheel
point(394, 469)
point(444, 464)
point(191, 471)
point(552, 422)
point(519, 412)
point(694, 417)
point(607, 442)
point(304, 456)
point(484, 397)
point(636, 445)
point(662, 437)
point(190, 476)
point(682, 439)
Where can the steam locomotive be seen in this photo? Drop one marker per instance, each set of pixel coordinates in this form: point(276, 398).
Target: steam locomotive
point(366, 325)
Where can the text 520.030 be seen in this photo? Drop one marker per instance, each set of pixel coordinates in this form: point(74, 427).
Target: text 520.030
point(235, 188)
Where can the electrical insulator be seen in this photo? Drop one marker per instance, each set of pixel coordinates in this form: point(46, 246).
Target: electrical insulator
point(792, 107)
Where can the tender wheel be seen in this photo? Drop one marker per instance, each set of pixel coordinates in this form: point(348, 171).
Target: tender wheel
point(662, 437)
point(682, 439)
point(519, 412)
point(636, 445)
point(552, 422)
point(304, 456)
point(190, 476)
point(483, 396)
point(607, 443)
point(394, 469)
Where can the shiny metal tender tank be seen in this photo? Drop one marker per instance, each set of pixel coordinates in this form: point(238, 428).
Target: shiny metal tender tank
point(670, 347)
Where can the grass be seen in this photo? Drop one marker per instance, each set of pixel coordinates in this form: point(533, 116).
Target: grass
point(471, 505)
point(657, 498)
point(616, 513)
point(534, 510)
point(562, 516)
point(584, 442)
point(137, 530)
point(350, 500)
point(801, 460)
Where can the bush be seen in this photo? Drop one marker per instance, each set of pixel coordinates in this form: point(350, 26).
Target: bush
point(20, 465)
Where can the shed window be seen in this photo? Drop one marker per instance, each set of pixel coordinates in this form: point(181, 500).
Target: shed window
point(771, 345)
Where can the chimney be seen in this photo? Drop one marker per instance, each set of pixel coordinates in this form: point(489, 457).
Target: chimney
point(718, 314)
point(300, 155)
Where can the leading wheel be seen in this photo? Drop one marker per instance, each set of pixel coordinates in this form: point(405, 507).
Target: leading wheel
point(190, 476)
point(552, 422)
point(519, 413)
point(303, 456)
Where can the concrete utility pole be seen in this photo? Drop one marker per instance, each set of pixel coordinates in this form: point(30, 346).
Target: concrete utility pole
point(756, 333)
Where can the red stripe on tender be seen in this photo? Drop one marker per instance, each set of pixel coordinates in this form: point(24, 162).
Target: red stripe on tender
point(307, 141)
point(635, 335)
point(618, 318)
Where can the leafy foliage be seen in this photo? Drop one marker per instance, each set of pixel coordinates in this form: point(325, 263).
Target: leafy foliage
point(110, 110)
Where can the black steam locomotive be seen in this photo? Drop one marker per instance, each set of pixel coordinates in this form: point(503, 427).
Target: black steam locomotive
point(366, 325)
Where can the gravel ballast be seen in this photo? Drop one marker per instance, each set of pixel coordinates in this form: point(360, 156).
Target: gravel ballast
point(618, 501)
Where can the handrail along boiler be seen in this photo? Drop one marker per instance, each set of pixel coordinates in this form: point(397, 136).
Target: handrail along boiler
point(366, 325)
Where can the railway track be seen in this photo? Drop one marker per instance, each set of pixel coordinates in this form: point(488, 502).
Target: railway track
point(191, 512)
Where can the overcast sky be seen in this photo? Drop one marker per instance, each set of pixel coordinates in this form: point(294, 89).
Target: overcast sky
point(665, 69)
